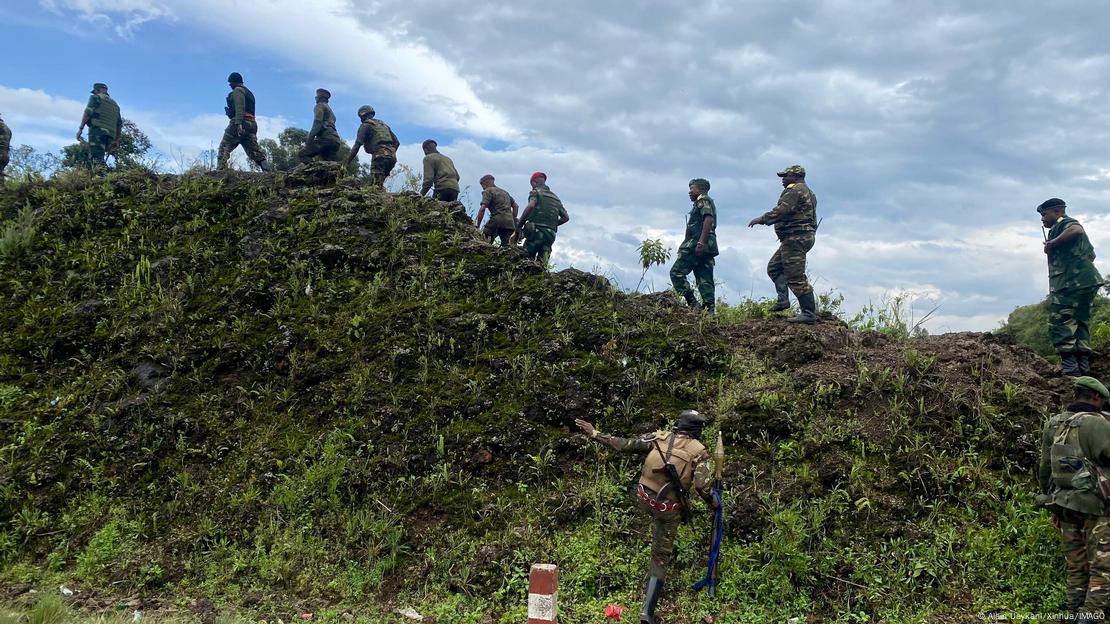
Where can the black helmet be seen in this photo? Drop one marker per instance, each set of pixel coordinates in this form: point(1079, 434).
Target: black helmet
point(365, 111)
point(691, 422)
point(235, 77)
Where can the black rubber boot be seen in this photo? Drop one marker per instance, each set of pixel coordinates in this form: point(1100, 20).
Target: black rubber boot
point(808, 315)
point(1069, 365)
point(651, 597)
point(1083, 362)
point(691, 300)
point(784, 295)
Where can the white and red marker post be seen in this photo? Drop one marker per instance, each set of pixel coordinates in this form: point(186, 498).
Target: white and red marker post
point(543, 594)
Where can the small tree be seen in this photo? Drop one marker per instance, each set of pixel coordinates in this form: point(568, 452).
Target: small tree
point(27, 163)
point(282, 153)
point(652, 253)
point(133, 151)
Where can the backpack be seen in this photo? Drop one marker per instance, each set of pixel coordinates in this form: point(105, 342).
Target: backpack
point(1071, 470)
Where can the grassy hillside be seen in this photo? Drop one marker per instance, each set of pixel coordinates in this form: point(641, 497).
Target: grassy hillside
point(247, 394)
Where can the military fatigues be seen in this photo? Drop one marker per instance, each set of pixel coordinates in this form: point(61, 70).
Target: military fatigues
point(691, 459)
point(323, 140)
point(105, 126)
point(378, 140)
point(242, 129)
point(795, 221)
point(544, 220)
point(500, 206)
point(5, 146)
point(688, 260)
point(1078, 435)
point(440, 172)
point(1073, 282)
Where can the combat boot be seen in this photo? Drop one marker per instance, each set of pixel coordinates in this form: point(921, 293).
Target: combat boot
point(651, 597)
point(691, 300)
point(808, 313)
point(1083, 363)
point(784, 295)
point(1069, 365)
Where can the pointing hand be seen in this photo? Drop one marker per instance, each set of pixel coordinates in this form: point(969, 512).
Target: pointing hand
point(756, 221)
point(586, 427)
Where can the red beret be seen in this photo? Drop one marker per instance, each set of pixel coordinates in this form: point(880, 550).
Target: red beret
point(538, 174)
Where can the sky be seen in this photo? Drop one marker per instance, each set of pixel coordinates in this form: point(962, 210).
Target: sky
point(930, 131)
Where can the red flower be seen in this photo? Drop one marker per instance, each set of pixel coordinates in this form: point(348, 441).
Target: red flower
point(613, 612)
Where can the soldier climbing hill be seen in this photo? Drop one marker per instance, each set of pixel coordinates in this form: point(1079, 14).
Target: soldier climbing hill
point(379, 141)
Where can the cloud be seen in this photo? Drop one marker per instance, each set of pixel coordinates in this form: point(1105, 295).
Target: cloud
point(124, 17)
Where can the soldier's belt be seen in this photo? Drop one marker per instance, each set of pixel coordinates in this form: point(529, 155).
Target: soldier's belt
point(654, 504)
point(248, 116)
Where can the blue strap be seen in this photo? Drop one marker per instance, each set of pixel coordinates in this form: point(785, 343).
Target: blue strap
point(715, 549)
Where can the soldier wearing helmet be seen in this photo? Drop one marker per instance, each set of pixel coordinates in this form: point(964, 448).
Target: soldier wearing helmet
point(657, 494)
point(378, 140)
point(242, 128)
point(795, 221)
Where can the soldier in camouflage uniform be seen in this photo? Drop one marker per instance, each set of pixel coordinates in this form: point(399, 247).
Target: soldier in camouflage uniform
point(5, 146)
point(698, 249)
point(1075, 450)
point(440, 173)
point(1073, 282)
point(795, 221)
point(242, 128)
point(502, 212)
point(105, 124)
point(323, 140)
point(379, 141)
point(541, 219)
point(657, 495)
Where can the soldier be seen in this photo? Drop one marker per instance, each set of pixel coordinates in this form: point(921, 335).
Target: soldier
point(698, 249)
point(439, 171)
point(541, 219)
point(1073, 282)
point(5, 145)
point(105, 124)
point(502, 212)
point(795, 221)
point(242, 129)
point(657, 494)
point(379, 141)
point(1075, 455)
point(323, 140)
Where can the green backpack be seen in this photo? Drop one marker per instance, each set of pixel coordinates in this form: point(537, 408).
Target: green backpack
point(1071, 470)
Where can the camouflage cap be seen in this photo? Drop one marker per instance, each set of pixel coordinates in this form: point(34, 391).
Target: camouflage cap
point(1054, 202)
point(701, 183)
point(99, 85)
point(797, 171)
point(1092, 384)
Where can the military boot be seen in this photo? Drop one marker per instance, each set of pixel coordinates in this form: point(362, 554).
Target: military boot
point(651, 597)
point(1069, 365)
point(691, 300)
point(784, 295)
point(1083, 362)
point(808, 314)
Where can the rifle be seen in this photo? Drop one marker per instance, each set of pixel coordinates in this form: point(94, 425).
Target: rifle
point(710, 579)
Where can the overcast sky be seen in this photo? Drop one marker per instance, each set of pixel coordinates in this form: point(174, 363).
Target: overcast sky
point(930, 130)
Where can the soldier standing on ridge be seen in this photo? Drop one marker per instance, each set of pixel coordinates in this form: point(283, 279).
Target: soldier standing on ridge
point(323, 140)
point(795, 221)
point(379, 141)
point(1073, 282)
point(242, 129)
point(541, 219)
point(502, 212)
point(657, 494)
point(439, 171)
point(105, 124)
point(698, 249)
point(5, 145)
point(1075, 454)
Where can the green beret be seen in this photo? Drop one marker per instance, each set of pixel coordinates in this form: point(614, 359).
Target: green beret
point(1055, 202)
point(701, 183)
point(1092, 384)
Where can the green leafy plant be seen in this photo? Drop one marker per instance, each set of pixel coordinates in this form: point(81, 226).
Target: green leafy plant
point(652, 253)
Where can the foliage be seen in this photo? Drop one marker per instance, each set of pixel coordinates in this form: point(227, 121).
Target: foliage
point(282, 153)
point(1029, 326)
point(28, 164)
point(134, 151)
point(652, 253)
point(17, 235)
point(894, 316)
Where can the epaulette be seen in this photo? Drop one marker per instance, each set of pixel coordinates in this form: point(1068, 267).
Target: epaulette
point(651, 437)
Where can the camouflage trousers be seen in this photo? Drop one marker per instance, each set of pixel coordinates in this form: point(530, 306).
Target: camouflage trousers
point(381, 165)
point(233, 138)
point(789, 261)
point(664, 530)
point(1069, 316)
point(326, 146)
point(538, 244)
point(445, 195)
point(1087, 560)
point(100, 143)
point(702, 267)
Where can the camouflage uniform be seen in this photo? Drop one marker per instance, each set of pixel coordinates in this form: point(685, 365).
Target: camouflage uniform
point(378, 140)
point(795, 221)
point(323, 140)
point(1073, 282)
point(544, 222)
point(688, 260)
point(5, 145)
point(440, 172)
point(500, 206)
point(242, 129)
point(1082, 514)
point(105, 126)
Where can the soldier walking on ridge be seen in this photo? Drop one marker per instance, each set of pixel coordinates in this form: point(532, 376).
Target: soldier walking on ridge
point(1073, 282)
point(662, 491)
point(541, 219)
point(105, 124)
point(378, 140)
point(502, 212)
point(698, 249)
point(1074, 465)
point(795, 221)
point(439, 171)
point(5, 146)
point(242, 128)
point(323, 140)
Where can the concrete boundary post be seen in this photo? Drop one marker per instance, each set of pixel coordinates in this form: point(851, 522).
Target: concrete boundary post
point(543, 594)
